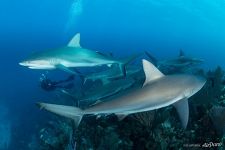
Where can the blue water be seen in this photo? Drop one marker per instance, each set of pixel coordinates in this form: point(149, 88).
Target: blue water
point(118, 26)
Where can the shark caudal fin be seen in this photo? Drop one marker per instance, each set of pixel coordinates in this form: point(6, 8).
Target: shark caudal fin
point(66, 111)
point(126, 61)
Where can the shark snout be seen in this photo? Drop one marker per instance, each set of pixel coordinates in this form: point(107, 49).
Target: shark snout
point(28, 64)
point(23, 63)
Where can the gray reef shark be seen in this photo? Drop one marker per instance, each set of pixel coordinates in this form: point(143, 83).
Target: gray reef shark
point(111, 73)
point(158, 91)
point(107, 90)
point(72, 55)
point(177, 64)
point(96, 94)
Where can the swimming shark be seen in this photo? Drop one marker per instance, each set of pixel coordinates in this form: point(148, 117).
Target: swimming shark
point(95, 93)
point(72, 55)
point(177, 64)
point(107, 90)
point(110, 73)
point(158, 91)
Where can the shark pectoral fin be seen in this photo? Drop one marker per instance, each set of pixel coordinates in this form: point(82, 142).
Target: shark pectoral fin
point(66, 111)
point(121, 116)
point(183, 111)
point(64, 68)
point(75, 41)
point(151, 72)
point(77, 120)
point(123, 69)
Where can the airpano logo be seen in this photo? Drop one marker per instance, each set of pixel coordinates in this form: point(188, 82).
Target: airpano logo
point(211, 144)
point(205, 145)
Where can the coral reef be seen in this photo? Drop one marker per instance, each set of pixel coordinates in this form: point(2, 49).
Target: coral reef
point(217, 115)
point(55, 135)
point(145, 118)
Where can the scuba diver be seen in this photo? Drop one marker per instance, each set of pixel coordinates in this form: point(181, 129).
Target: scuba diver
point(49, 85)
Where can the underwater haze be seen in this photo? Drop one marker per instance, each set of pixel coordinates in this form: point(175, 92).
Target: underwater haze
point(120, 27)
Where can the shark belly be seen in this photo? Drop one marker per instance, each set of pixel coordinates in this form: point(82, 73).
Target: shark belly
point(83, 63)
point(144, 99)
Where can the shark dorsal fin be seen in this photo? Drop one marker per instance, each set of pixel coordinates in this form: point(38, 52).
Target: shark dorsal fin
point(75, 41)
point(151, 72)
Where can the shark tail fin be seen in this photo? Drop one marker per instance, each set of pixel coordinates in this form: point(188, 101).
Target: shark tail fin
point(66, 111)
point(126, 61)
point(152, 58)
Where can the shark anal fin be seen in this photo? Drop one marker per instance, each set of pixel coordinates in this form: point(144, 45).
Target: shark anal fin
point(151, 72)
point(121, 116)
point(75, 41)
point(183, 111)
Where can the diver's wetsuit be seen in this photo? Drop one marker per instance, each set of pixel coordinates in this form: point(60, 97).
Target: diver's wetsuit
point(48, 85)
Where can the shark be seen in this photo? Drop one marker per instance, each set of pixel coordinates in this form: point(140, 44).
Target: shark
point(110, 89)
point(72, 55)
point(177, 64)
point(158, 91)
point(96, 94)
point(110, 73)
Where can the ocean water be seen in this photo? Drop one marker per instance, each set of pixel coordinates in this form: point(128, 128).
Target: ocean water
point(120, 27)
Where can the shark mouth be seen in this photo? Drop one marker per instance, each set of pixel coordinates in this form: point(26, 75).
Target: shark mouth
point(41, 67)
